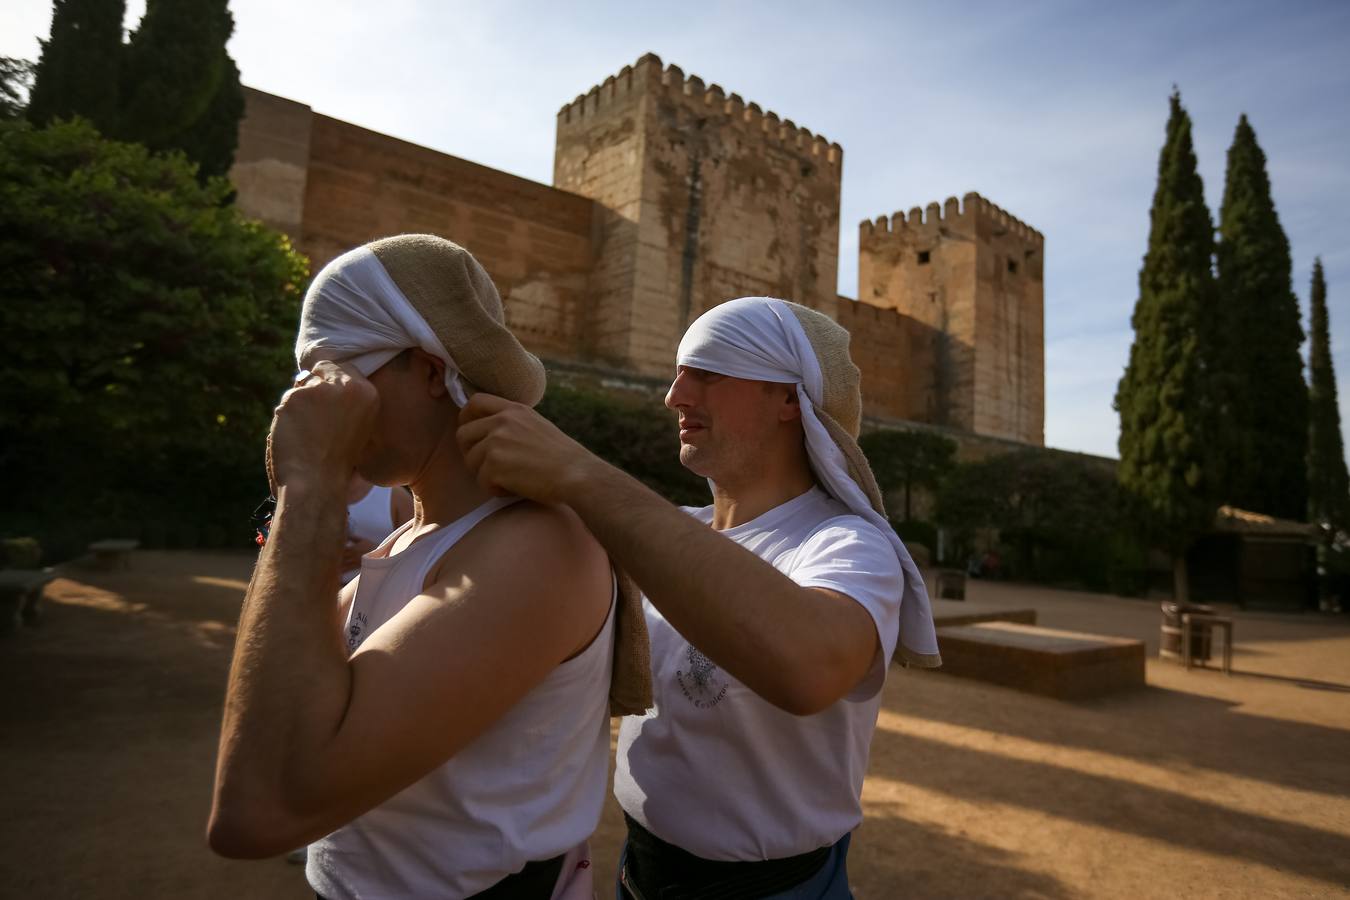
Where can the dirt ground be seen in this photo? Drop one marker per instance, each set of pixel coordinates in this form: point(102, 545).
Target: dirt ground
point(1198, 785)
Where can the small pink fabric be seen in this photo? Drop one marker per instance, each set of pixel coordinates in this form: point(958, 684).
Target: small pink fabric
point(576, 881)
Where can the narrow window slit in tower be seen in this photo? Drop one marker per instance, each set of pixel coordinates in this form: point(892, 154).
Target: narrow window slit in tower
point(1012, 266)
point(923, 257)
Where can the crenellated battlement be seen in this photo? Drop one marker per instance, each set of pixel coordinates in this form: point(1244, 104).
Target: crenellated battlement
point(955, 215)
point(649, 76)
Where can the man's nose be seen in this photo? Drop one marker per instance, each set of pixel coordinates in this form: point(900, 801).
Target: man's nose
point(678, 395)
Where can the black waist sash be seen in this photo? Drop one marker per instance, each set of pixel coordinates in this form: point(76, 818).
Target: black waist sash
point(534, 882)
point(656, 870)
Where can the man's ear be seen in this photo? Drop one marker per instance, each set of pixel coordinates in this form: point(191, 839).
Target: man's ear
point(791, 408)
point(435, 372)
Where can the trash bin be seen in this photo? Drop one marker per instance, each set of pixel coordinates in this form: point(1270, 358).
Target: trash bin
point(1170, 643)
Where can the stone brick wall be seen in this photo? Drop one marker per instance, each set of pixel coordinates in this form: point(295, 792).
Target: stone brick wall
point(271, 162)
point(708, 198)
point(672, 196)
point(897, 357)
point(360, 185)
point(973, 275)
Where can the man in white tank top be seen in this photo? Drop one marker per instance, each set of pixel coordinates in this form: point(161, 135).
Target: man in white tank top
point(442, 730)
point(771, 631)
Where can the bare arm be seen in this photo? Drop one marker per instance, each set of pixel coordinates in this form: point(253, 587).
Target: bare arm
point(310, 739)
point(799, 648)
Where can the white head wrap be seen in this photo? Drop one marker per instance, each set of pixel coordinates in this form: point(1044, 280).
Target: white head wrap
point(761, 339)
point(354, 313)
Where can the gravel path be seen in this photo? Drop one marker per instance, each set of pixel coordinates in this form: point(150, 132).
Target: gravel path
point(1199, 785)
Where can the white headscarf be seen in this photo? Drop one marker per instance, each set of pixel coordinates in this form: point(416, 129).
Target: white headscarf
point(354, 313)
point(760, 339)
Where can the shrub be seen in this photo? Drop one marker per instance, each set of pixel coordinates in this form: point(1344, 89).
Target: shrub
point(144, 329)
point(633, 432)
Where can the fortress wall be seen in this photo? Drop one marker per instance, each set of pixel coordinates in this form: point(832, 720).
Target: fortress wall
point(271, 162)
point(1010, 340)
point(974, 274)
point(708, 198)
point(534, 240)
point(897, 356)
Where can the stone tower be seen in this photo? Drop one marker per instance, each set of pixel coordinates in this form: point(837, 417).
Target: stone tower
point(703, 198)
point(975, 275)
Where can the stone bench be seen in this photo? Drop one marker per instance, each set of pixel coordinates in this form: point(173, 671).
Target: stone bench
point(21, 596)
point(960, 612)
point(1068, 665)
point(113, 554)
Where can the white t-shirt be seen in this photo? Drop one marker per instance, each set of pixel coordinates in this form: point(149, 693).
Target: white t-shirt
point(717, 770)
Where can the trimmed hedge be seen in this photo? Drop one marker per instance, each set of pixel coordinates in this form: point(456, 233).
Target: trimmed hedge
point(631, 431)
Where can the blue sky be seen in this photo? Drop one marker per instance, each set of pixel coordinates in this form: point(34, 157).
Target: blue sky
point(1053, 110)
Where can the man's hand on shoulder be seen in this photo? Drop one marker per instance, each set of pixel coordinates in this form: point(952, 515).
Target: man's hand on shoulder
point(513, 449)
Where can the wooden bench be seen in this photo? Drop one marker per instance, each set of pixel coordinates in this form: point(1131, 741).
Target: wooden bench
point(1069, 665)
point(21, 596)
point(113, 554)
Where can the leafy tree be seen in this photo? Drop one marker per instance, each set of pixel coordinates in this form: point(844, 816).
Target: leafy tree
point(1328, 484)
point(908, 459)
point(145, 334)
point(77, 73)
point(1258, 369)
point(180, 88)
point(16, 81)
point(1167, 415)
point(1055, 512)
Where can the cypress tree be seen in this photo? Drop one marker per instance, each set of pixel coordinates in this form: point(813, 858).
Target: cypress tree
point(1258, 372)
point(180, 87)
point(16, 82)
point(1166, 470)
point(1328, 484)
point(77, 73)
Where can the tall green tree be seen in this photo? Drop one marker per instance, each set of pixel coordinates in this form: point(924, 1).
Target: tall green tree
point(1167, 415)
point(16, 81)
point(146, 331)
point(1258, 372)
point(180, 88)
point(1328, 483)
point(77, 73)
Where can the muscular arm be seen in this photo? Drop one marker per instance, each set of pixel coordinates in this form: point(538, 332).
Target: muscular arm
point(799, 648)
point(311, 740)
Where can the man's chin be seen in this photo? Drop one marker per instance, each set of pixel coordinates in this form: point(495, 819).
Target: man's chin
point(694, 460)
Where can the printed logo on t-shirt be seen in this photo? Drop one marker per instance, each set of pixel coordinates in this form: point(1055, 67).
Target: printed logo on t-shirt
point(355, 628)
point(701, 685)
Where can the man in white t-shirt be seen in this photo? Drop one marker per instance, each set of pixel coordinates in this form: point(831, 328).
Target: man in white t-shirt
point(771, 631)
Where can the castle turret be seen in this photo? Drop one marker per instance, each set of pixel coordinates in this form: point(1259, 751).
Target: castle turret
point(706, 197)
point(975, 275)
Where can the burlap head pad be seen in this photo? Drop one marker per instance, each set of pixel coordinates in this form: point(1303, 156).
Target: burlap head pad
point(458, 300)
point(840, 407)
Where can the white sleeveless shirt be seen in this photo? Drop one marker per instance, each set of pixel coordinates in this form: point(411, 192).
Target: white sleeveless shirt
point(529, 788)
point(371, 519)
